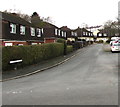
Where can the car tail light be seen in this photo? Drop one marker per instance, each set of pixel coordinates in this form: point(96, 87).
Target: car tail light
point(112, 46)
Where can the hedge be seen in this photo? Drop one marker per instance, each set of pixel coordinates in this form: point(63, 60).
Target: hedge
point(69, 48)
point(60, 40)
point(30, 54)
point(63, 41)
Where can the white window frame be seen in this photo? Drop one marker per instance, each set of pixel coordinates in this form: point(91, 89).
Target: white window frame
point(20, 44)
point(56, 31)
point(32, 30)
point(105, 34)
point(65, 34)
point(38, 32)
point(42, 30)
point(84, 33)
point(8, 44)
point(33, 43)
point(59, 32)
point(22, 30)
point(13, 28)
point(62, 34)
point(73, 33)
point(88, 34)
point(100, 34)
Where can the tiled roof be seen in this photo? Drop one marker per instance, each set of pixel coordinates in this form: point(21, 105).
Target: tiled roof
point(43, 24)
point(65, 28)
point(14, 18)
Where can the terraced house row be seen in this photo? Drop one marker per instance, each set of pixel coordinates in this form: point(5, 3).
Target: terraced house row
point(17, 31)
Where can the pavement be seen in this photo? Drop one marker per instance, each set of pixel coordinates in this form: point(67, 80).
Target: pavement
point(88, 78)
point(35, 68)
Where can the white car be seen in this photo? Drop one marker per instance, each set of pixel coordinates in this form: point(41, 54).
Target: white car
point(115, 47)
point(114, 39)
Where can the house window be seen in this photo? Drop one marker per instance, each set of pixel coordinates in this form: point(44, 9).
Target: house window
point(105, 34)
point(62, 33)
point(34, 44)
point(22, 30)
point(8, 44)
point(20, 44)
point(71, 33)
point(32, 31)
point(84, 33)
point(75, 33)
point(100, 34)
point(38, 32)
point(59, 32)
point(56, 31)
point(12, 28)
point(42, 30)
point(89, 34)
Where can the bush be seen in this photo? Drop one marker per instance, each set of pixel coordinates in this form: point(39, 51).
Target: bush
point(100, 41)
point(69, 48)
point(78, 45)
point(63, 41)
point(30, 54)
point(60, 40)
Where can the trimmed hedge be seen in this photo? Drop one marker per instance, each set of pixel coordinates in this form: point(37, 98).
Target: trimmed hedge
point(30, 54)
point(60, 40)
point(69, 48)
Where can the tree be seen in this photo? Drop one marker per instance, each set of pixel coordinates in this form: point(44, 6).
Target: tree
point(111, 28)
point(35, 18)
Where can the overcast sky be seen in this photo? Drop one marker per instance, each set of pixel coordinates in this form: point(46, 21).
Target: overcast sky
point(71, 13)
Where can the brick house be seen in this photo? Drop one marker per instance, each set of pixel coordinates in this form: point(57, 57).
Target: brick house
point(82, 33)
point(70, 34)
point(17, 31)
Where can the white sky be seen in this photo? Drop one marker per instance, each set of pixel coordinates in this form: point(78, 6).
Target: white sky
point(71, 13)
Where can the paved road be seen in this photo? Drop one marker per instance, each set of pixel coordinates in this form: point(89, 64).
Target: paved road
point(90, 78)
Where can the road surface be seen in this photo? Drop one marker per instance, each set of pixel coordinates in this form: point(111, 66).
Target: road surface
point(89, 78)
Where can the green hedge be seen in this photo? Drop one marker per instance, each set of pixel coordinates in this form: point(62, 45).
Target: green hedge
point(60, 40)
point(30, 54)
point(69, 48)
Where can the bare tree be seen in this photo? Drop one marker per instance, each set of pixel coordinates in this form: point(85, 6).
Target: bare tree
point(111, 28)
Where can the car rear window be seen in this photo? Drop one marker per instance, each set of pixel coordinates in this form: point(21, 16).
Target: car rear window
point(116, 44)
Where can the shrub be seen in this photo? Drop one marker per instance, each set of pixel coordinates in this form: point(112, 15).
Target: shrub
point(69, 48)
point(100, 41)
point(63, 41)
point(30, 54)
point(60, 40)
point(77, 45)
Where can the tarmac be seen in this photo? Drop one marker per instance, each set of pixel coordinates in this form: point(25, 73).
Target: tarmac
point(36, 68)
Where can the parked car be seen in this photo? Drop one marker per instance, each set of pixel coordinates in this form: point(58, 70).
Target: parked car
point(115, 47)
point(114, 39)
